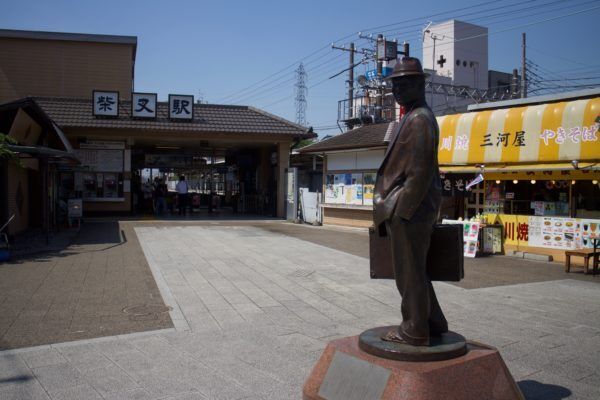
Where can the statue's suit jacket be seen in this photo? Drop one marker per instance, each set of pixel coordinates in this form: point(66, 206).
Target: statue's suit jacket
point(408, 176)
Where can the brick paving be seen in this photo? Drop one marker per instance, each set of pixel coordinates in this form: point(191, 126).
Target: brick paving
point(253, 305)
point(79, 292)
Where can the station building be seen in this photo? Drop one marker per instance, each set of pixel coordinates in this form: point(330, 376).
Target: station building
point(81, 131)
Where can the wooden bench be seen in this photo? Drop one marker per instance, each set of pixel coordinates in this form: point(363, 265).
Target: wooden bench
point(586, 254)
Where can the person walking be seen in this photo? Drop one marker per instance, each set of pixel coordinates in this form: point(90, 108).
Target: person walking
point(160, 193)
point(182, 194)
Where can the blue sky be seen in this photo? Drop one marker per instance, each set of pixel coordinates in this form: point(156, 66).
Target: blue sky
point(245, 52)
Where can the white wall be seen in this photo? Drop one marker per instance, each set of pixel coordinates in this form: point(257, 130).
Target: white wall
point(456, 42)
point(355, 160)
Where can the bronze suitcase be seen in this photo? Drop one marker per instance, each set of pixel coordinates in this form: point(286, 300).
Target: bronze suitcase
point(445, 259)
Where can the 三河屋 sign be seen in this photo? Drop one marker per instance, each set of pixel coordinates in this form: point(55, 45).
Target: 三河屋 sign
point(550, 132)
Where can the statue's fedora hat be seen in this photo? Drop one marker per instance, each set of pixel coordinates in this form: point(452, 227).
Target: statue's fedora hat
point(407, 66)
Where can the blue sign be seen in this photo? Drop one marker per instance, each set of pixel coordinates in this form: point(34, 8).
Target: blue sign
point(372, 74)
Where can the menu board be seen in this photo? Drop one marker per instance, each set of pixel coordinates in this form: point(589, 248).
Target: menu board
point(470, 235)
point(101, 160)
point(554, 232)
point(491, 239)
point(590, 229)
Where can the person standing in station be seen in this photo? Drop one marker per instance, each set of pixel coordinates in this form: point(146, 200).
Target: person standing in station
point(160, 193)
point(182, 194)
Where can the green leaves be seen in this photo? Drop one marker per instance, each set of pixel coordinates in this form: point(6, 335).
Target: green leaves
point(5, 152)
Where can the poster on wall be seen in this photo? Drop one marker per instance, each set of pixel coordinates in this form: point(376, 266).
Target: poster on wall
point(357, 194)
point(368, 194)
point(470, 236)
point(538, 207)
point(344, 188)
point(102, 156)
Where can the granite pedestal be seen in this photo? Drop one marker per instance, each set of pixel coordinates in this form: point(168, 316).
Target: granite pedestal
point(345, 372)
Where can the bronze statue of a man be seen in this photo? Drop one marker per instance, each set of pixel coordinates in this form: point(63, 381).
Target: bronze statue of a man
point(407, 198)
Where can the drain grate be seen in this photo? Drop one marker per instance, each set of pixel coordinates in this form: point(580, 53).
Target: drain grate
point(302, 273)
point(145, 311)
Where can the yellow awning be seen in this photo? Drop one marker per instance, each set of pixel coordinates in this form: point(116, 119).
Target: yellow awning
point(545, 133)
point(583, 166)
point(551, 171)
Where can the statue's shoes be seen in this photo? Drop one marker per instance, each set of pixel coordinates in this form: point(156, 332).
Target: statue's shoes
point(396, 337)
point(437, 333)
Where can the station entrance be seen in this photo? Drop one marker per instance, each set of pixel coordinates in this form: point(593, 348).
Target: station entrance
point(219, 180)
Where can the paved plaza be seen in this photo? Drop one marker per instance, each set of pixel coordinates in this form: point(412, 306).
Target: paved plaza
point(253, 304)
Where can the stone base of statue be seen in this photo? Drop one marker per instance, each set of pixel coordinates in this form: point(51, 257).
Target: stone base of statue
point(461, 370)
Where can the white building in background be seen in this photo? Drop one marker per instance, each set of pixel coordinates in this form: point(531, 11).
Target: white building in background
point(455, 53)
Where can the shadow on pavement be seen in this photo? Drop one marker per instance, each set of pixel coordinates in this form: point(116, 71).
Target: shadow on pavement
point(107, 232)
point(16, 379)
point(534, 390)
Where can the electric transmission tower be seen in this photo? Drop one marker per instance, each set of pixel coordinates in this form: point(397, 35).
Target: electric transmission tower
point(301, 91)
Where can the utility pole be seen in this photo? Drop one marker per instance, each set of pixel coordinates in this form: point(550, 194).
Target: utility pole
point(524, 68)
point(352, 50)
point(514, 86)
point(351, 86)
point(379, 100)
point(368, 54)
point(434, 37)
point(406, 50)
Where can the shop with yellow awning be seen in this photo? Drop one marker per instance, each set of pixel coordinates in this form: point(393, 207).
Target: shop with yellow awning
point(537, 160)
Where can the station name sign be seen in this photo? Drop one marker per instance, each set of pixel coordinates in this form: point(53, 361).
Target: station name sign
point(143, 105)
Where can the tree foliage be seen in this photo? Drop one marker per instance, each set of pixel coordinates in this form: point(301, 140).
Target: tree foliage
point(303, 143)
point(5, 152)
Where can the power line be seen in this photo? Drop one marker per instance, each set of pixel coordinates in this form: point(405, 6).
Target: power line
point(523, 25)
point(573, 79)
point(238, 92)
point(515, 15)
point(486, 34)
point(264, 88)
point(272, 87)
point(504, 7)
point(378, 28)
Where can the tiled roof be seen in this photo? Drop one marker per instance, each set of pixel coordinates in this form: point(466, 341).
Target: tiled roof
point(208, 118)
point(79, 37)
point(364, 137)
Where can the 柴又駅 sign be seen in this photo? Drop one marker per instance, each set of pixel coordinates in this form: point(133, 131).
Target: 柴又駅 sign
point(105, 103)
point(181, 107)
point(143, 105)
